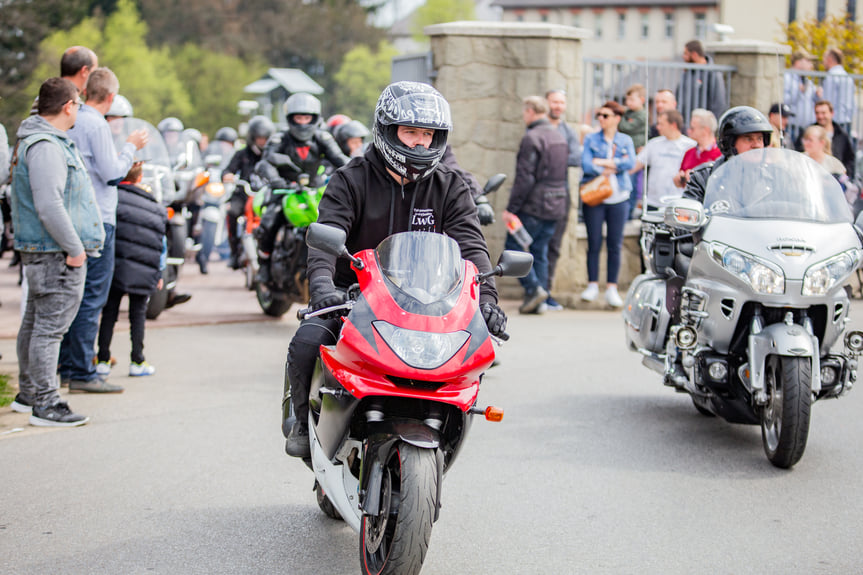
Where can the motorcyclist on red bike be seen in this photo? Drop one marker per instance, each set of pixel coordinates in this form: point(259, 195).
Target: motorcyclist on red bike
point(242, 166)
point(398, 185)
point(300, 149)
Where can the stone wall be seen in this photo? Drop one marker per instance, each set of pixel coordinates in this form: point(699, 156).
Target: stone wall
point(485, 70)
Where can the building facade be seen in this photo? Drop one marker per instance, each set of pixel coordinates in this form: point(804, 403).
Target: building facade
point(628, 29)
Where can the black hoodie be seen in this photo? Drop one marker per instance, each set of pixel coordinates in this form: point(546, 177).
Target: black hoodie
point(364, 200)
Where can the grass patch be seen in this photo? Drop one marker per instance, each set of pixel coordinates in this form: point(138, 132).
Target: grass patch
point(7, 394)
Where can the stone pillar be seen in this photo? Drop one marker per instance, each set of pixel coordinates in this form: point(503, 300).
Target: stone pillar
point(485, 69)
point(758, 81)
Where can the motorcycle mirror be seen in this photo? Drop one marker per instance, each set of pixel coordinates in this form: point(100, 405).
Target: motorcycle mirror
point(326, 238)
point(685, 214)
point(512, 264)
point(493, 183)
point(330, 240)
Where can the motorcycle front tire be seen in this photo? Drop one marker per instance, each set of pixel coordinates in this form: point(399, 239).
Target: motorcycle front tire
point(396, 540)
point(785, 418)
point(271, 304)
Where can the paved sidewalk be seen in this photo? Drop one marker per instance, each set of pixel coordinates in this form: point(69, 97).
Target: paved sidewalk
point(218, 297)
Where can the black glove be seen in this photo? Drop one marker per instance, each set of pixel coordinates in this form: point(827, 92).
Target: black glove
point(494, 318)
point(324, 293)
point(484, 211)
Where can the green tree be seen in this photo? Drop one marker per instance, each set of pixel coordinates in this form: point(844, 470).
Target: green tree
point(215, 84)
point(147, 77)
point(361, 79)
point(439, 11)
point(23, 26)
point(815, 37)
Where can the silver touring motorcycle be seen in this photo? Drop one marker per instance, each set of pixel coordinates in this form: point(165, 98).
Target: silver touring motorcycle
point(743, 305)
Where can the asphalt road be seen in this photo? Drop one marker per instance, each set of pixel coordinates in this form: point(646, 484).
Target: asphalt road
point(596, 468)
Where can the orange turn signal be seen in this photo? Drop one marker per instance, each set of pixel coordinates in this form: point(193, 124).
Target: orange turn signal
point(170, 213)
point(201, 179)
point(493, 413)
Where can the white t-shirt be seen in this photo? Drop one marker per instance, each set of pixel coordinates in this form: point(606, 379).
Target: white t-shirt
point(662, 158)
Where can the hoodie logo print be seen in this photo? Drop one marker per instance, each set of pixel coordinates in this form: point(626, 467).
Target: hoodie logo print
point(423, 220)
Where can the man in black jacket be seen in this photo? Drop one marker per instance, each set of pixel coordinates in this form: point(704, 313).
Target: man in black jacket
point(740, 129)
point(840, 144)
point(301, 149)
point(398, 185)
point(538, 196)
point(242, 166)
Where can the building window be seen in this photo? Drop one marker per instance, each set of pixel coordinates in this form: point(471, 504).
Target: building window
point(544, 17)
point(519, 17)
point(669, 25)
point(597, 25)
point(645, 26)
point(701, 25)
point(621, 26)
point(576, 20)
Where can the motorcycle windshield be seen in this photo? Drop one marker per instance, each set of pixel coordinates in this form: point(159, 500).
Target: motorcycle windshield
point(423, 270)
point(774, 183)
point(155, 152)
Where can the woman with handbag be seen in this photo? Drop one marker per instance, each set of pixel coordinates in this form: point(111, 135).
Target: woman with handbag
point(606, 157)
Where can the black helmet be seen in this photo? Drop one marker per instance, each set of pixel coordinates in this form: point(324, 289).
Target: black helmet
point(302, 103)
point(226, 134)
point(738, 121)
point(344, 132)
point(411, 104)
point(170, 124)
point(259, 127)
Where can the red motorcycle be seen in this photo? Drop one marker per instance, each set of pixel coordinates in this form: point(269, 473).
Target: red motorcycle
point(394, 398)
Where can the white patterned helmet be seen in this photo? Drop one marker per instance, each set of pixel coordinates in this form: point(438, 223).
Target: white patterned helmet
point(411, 104)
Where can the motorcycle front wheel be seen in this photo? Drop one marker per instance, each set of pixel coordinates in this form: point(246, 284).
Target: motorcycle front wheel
point(785, 418)
point(396, 541)
point(270, 303)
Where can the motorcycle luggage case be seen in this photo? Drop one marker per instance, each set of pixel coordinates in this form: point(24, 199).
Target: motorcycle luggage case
point(644, 314)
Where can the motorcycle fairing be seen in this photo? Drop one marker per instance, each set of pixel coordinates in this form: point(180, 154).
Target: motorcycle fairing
point(367, 366)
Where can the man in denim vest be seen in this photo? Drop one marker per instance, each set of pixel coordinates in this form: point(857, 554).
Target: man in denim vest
point(56, 223)
point(106, 167)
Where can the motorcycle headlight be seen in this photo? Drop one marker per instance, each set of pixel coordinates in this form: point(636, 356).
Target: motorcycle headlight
point(821, 277)
point(215, 189)
point(764, 277)
point(421, 349)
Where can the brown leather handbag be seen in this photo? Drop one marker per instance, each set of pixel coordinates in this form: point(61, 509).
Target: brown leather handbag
point(596, 191)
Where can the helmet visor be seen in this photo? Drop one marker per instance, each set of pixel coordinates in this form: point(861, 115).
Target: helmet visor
point(420, 110)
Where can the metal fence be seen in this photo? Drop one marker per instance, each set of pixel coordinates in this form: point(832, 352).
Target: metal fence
point(695, 86)
point(803, 89)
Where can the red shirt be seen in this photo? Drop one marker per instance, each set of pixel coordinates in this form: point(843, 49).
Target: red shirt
point(695, 157)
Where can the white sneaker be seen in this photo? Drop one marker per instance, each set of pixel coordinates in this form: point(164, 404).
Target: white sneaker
point(613, 298)
point(591, 293)
point(103, 368)
point(141, 369)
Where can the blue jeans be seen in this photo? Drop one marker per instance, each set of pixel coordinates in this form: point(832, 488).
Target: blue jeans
point(541, 231)
point(54, 291)
point(78, 349)
point(614, 216)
